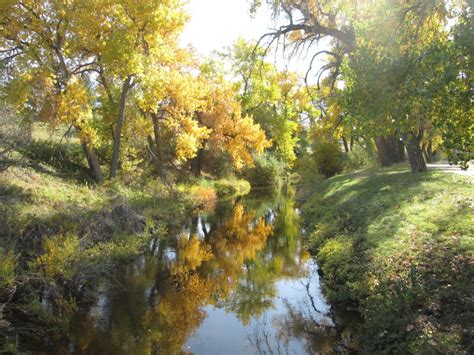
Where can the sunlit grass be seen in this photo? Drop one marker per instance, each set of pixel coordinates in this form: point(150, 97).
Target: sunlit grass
point(394, 243)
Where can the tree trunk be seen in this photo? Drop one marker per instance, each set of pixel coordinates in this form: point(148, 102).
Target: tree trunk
point(415, 154)
point(390, 150)
point(196, 163)
point(154, 158)
point(346, 146)
point(428, 151)
point(399, 150)
point(382, 152)
point(156, 132)
point(156, 151)
point(93, 162)
point(423, 151)
point(118, 129)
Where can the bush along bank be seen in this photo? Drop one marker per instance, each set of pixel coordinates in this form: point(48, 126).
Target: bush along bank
point(398, 247)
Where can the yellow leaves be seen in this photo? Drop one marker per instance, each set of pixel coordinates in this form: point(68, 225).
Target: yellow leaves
point(247, 136)
point(238, 136)
point(204, 197)
point(130, 36)
point(19, 90)
point(192, 253)
point(190, 139)
point(242, 237)
point(59, 253)
point(153, 90)
point(74, 104)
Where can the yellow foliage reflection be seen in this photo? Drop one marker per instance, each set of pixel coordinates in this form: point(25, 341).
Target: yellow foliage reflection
point(234, 266)
point(191, 254)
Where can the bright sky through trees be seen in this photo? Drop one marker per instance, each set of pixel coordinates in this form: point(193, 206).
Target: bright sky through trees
point(217, 23)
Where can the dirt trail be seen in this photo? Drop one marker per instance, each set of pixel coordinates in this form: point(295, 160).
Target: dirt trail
point(445, 167)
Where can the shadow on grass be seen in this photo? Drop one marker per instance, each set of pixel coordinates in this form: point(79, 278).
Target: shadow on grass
point(66, 159)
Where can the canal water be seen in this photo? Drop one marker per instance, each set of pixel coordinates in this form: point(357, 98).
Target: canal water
point(234, 281)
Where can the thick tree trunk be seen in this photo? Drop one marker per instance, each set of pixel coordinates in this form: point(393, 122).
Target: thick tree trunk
point(390, 150)
point(118, 128)
point(399, 150)
point(415, 154)
point(93, 162)
point(156, 132)
point(382, 152)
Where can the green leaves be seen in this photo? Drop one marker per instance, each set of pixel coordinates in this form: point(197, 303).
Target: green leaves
point(277, 100)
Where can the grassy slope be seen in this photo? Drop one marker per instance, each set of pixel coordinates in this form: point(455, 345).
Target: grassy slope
point(399, 247)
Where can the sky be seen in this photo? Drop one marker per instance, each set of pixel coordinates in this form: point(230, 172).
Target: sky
point(218, 23)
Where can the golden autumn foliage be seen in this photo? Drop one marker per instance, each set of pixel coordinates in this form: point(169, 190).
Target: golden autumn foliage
point(242, 237)
point(192, 253)
point(232, 132)
point(115, 72)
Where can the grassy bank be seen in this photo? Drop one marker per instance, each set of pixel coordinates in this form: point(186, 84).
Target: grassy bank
point(399, 248)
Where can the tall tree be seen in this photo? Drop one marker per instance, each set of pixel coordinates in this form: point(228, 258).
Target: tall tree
point(400, 68)
point(137, 40)
point(397, 70)
point(46, 66)
point(231, 132)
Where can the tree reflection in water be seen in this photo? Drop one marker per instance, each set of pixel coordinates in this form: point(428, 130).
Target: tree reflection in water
point(237, 261)
point(303, 323)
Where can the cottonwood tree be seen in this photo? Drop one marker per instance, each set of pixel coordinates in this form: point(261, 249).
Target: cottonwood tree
point(135, 43)
point(46, 64)
point(171, 103)
point(402, 68)
point(327, 30)
point(77, 63)
point(401, 63)
point(455, 110)
point(231, 132)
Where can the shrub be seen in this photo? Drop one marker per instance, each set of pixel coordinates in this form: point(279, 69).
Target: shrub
point(358, 158)
point(7, 269)
point(328, 157)
point(340, 277)
point(217, 164)
point(203, 197)
point(226, 188)
point(267, 172)
point(307, 170)
point(61, 256)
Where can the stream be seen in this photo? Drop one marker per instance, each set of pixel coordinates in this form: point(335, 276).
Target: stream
point(234, 281)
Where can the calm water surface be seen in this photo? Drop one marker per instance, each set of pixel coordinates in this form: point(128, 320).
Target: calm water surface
point(235, 281)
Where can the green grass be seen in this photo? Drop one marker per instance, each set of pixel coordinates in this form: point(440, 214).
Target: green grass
point(399, 247)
